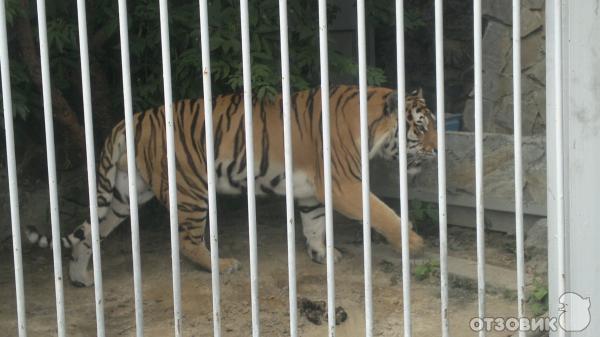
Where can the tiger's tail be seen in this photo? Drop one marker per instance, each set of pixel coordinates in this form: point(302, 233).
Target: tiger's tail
point(113, 150)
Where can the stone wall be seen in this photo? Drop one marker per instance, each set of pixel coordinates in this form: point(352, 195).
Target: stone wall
point(497, 68)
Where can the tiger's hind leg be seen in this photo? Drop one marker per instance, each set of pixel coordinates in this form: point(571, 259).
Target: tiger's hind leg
point(312, 213)
point(109, 217)
point(193, 245)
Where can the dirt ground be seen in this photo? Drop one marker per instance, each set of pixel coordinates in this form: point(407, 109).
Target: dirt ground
point(235, 288)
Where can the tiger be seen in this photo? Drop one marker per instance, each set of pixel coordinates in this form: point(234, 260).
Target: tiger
point(230, 165)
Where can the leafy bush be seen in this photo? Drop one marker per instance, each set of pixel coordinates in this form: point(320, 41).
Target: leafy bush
point(146, 67)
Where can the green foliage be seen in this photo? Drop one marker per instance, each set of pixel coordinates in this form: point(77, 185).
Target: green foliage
point(225, 45)
point(538, 299)
point(425, 270)
point(423, 212)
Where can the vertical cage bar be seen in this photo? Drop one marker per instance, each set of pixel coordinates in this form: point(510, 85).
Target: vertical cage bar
point(131, 170)
point(402, 162)
point(91, 164)
point(210, 169)
point(289, 165)
point(324, 67)
point(51, 162)
point(558, 120)
point(518, 161)
point(247, 78)
point(441, 133)
point(479, 161)
point(174, 221)
point(364, 158)
point(12, 174)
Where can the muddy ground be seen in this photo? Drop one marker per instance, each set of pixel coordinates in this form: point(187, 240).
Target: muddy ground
point(235, 296)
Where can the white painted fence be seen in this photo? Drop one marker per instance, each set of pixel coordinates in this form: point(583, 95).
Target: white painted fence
point(557, 244)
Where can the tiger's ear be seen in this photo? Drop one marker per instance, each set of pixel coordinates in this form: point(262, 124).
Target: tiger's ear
point(391, 103)
point(418, 93)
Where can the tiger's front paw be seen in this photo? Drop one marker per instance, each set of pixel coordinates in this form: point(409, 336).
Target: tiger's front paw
point(318, 253)
point(227, 266)
point(416, 244)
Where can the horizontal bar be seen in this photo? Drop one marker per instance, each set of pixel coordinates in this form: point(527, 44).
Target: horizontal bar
point(174, 221)
point(479, 161)
point(91, 164)
point(12, 174)
point(131, 170)
point(330, 250)
point(210, 169)
point(441, 133)
point(51, 162)
point(289, 171)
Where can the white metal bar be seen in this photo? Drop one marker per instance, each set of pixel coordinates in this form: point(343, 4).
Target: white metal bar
point(558, 120)
point(441, 146)
point(51, 160)
point(12, 174)
point(364, 156)
point(131, 170)
point(247, 78)
point(477, 36)
point(210, 169)
point(402, 162)
point(174, 221)
point(324, 66)
point(91, 164)
point(289, 168)
point(518, 161)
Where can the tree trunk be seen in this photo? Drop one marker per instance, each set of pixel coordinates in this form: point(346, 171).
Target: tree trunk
point(62, 110)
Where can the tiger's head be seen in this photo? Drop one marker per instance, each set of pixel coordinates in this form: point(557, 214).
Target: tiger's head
point(421, 133)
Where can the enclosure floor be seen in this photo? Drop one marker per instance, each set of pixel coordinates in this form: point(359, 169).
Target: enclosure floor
point(235, 296)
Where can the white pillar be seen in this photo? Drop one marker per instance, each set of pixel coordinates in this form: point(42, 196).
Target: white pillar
point(580, 100)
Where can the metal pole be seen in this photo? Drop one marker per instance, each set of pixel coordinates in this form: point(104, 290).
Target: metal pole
point(174, 221)
point(131, 170)
point(324, 65)
point(210, 169)
point(364, 156)
point(479, 161)
point(518, 161)
point(558, 120)
point(51, 162)
point(12, 174)
point(403, 167)
point(91, 164)
point(250, 166)
point(441, 131)
point(289, 166)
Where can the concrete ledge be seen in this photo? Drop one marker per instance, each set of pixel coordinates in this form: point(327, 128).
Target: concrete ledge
point(498, 180)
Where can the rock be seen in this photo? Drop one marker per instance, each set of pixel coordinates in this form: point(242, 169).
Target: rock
point(536, 248)
point(532, 50)
point(537, 72)
point(536, 239)
point(496, 44)
point(533, 4)
point(530, 21)
point(498, 9)
point(497, 87)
